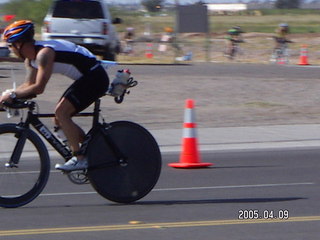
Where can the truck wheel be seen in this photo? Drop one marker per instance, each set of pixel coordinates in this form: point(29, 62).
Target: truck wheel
point(110, 56)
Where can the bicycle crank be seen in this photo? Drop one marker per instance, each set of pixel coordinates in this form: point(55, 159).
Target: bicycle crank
point(78, 177)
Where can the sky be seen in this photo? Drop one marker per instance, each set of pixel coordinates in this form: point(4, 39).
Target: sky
point(180, 1)
point(170, 1)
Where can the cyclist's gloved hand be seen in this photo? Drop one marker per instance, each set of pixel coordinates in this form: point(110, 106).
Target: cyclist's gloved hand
point(7, 91)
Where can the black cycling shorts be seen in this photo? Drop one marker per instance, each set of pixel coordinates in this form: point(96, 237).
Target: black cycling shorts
point(84, 91)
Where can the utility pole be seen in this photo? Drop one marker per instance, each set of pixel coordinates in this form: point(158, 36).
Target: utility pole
point(175, 28)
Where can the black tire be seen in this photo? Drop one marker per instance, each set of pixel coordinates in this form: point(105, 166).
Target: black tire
point(110, 56)
point(233, 52)
point(21, 184)
point(127, 182)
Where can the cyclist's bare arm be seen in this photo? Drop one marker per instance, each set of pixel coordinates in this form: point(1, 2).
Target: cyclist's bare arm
point(37, 79)
point(31, 74)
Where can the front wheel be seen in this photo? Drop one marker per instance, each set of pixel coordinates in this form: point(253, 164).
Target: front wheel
point(124, 162)
point(24, 165)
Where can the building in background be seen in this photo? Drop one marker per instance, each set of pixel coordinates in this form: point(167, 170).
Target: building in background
point(226, 8)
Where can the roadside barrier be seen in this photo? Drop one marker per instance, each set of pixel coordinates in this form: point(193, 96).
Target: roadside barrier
point(190, 155)
point(304, 55)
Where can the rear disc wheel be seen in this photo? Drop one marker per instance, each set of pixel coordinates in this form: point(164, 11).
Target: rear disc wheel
point(129, 179)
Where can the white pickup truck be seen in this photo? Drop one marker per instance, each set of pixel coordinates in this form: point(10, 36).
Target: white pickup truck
point(84, 22)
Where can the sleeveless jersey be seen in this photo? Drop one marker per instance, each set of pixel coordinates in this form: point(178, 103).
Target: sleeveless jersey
point(71, 60)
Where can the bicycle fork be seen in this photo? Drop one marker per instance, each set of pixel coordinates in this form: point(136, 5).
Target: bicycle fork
point(18, 149)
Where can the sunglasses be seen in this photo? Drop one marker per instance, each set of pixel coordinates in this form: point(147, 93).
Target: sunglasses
point(11, 45)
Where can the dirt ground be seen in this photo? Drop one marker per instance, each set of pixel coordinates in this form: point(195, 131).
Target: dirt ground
point(232, 94)
point(226, 94)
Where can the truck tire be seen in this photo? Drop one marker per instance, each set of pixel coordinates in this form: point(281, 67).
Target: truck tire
point(110, 56)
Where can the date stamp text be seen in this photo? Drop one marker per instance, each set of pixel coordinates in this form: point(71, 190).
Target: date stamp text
point(248, 214)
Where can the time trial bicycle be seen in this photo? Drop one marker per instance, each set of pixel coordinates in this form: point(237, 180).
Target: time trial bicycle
point(124, 160)
point(281, 53)
point(234, 50)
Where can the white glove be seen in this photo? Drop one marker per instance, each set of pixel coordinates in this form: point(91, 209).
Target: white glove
point(7, 91)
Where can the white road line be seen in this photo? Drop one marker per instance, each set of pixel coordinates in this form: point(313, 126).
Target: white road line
point(192, 188)
point(304, 66)
point(66, 194)
point(235, 186)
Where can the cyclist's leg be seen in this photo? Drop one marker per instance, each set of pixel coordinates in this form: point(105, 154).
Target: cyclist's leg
point(64, 112)
point(229, 47)
point(74, 134)
point(233, 49)
point(81, 94)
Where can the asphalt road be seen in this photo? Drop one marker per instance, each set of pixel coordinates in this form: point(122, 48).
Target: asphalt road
point(281, 187)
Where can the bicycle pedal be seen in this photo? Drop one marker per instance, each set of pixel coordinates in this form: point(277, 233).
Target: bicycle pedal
point(10, 165)
point(78, 177)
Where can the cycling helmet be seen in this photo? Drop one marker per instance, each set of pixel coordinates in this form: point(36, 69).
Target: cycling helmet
point(168, 29)
point(22, 30)
point(233, 31)
point(284, 25)
point(284, 28)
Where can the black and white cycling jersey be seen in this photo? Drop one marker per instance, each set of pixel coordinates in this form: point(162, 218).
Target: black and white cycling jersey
point(71, 60)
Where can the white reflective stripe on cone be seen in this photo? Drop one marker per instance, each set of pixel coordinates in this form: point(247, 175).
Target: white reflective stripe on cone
point(189, 116)
point(189, 133)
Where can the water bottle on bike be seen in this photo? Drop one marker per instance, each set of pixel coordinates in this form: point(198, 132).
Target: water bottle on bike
point(60, 134)
point(120, 84)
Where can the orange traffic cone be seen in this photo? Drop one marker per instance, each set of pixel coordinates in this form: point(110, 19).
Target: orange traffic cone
point(149, 53)
point(304, 55)
point(190, 156)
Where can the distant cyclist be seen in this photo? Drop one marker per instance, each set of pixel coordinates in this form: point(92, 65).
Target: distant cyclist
point(171, 37)
point(129, 39)
point(233, 38)
point(282, 32)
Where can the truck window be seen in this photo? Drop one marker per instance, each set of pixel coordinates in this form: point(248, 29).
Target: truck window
point(77, 9)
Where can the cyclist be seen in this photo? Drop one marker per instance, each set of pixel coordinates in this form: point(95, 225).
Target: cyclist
point(171, 37)
point(129, 39)
point(281, 38)
point(42, 59)
point(234, 36)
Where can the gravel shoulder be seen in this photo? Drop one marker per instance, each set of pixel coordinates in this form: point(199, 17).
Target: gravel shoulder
point(226, 94)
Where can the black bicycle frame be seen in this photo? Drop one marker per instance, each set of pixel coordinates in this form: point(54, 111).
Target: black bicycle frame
point(33, 119)
point(48, 135)
point(63, 150)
